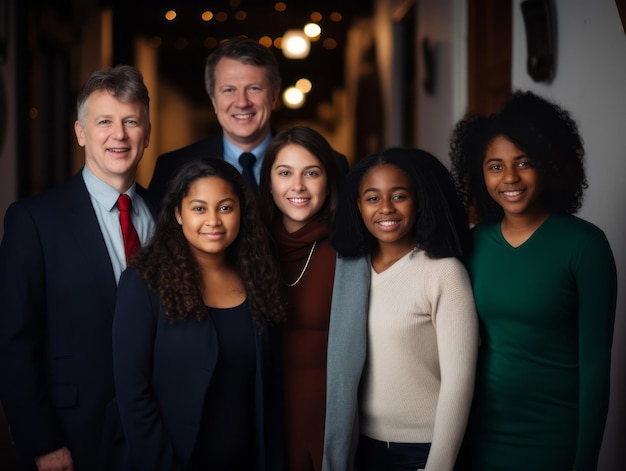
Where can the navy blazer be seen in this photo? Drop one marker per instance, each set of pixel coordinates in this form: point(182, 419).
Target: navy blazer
point(162, 373)
point(168, 164)
point(57, 296)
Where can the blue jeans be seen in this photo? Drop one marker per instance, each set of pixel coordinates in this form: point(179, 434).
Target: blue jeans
point(374, 455)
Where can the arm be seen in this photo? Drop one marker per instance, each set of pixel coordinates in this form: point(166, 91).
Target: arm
point(24, 391)
point(456, 324)
point(134, 332)
point(596, 281)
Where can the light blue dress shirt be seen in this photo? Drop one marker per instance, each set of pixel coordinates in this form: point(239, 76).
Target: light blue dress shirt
point(104, 202)
point(232, 153)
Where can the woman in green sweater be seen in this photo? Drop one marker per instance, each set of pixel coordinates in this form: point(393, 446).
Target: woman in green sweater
point(545, 285)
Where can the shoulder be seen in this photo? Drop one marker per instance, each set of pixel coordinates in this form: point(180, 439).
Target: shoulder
point(211, 146)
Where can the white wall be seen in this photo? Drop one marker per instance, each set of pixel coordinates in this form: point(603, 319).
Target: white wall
point(590, 82)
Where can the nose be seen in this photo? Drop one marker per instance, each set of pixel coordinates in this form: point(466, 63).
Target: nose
point(386, 206)
point(298, 184)
point(511, 174)
point(241, 99)
point(212, 219)
point(119, 131)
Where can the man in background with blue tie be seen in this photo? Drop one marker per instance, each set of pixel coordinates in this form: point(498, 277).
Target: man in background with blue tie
point(60, 258)
point(243, 81)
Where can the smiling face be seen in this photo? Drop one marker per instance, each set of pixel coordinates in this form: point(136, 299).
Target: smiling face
point(210, 216)
point(387, 204)
point(243, 100)
point(512, 179)
point(298, 183)
point(114, 135)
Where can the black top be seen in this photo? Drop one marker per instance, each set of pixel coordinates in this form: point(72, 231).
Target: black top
point(226, 439)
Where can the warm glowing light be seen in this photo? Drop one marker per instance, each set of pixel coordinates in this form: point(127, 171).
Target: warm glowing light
point(316, 17)
point(312, 30)
point(293, 98)
point(304, 85)
point(33, 113)
point(280, 6)
point(329, 43)
point(336, 17)
point(296, 44)
point(221, 16)
point(240, 15)
point(278, 42)
point(170, 15)
point(265, 41)
point(207, 15)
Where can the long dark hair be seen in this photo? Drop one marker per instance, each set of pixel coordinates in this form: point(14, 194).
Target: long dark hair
point(171, 270)
point(441, 226)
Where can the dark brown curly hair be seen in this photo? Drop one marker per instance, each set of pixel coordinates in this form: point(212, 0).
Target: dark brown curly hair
point(170, 270)
point(541, 129)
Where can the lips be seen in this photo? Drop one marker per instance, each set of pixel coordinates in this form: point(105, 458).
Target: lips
point(388, 224)
point(298, 201)
point(513, 195)
point(243, 116)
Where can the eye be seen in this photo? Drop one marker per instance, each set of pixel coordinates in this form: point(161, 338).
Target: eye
point(197, 209)
point(399, 197)
point(284, 173)
point(526, 164)
point(131, 122)
point(255, 89)
point(226, 208)
point(371, 199)
point(494, 167)
point(104, 122)
point(311, 173)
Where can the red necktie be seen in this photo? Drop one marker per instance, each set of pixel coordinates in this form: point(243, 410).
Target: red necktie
point(129, 234)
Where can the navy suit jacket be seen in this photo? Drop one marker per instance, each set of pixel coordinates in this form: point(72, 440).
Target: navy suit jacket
point(168, 164)
point(57, 296)
point(162, 373)
point(210, 147)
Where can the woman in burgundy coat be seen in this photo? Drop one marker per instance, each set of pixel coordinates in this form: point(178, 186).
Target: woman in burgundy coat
point(298, 194)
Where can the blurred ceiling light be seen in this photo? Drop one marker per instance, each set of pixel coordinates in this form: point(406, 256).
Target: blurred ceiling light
point(170, 15)
point(336, 17)
point(330, 43)
point(265, 41)
point(221, 16)
point(207, 15)
point(240, 15)
point(316, 16)
point(293, 98)
point(312, 30)
point(296, 44)
point(280, 6)
point(304, 85)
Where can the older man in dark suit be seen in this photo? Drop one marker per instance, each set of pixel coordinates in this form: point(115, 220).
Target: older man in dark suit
point(61, 256)
point(243, 81)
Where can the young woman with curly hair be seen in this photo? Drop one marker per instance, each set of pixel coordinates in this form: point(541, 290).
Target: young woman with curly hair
point(545, 288)
point(403, 328)
point(196, 367)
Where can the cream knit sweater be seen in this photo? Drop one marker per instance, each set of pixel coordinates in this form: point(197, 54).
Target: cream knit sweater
point(422, 339)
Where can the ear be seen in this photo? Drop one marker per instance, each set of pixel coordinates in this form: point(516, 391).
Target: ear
point(178, 217)
point(148, 133)
point(80, 133)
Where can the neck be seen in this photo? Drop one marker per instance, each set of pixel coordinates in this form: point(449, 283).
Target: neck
point(386, 255)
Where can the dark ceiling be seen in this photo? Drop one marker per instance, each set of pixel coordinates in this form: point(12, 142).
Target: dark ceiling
point(184, 43)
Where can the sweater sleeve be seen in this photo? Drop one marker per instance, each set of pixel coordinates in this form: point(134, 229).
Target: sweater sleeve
point(456, 324)
point(596, 282)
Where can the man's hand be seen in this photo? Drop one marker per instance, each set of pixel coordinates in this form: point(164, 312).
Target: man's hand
point(58, 460)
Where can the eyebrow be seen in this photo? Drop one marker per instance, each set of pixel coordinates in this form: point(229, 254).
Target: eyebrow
point(395, 188)
point(306, 168)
